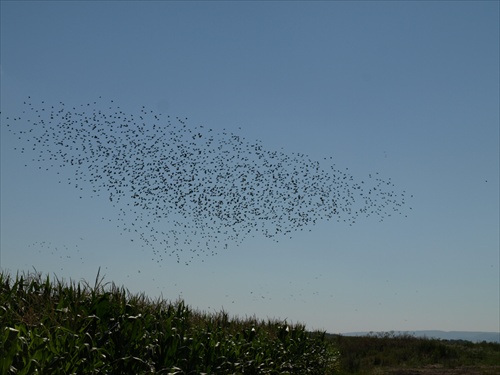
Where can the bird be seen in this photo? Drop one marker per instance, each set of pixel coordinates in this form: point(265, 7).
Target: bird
point(188, 190)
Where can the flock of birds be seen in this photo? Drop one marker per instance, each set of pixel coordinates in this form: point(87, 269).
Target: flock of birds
point(187, 191)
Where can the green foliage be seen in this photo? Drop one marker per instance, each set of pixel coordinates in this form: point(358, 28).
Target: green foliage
point(367, 354)
point(65, 328)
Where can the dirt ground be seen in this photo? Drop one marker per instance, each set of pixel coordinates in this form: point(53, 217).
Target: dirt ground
point(438, 370)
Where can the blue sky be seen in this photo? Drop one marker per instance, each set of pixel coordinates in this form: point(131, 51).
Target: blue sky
point(409, 90)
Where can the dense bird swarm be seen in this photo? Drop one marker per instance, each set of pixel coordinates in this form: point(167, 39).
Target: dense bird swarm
point(181, 188)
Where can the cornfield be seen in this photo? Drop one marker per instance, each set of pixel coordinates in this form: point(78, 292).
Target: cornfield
point(56, 327)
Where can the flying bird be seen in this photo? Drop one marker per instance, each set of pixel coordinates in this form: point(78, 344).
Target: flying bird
point(186, 191)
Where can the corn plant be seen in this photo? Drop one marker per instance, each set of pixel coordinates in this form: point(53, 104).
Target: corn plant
point(72, 328)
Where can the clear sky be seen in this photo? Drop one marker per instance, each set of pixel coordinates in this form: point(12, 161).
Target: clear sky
point(408, 90)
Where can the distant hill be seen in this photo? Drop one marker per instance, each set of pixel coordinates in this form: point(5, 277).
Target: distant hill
point(443, 335)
